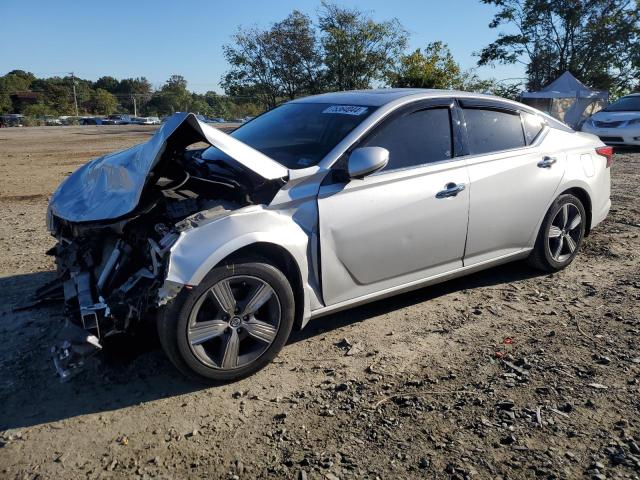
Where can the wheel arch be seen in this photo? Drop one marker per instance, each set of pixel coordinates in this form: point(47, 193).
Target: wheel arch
point(283, 260)
point(584, 197)
point(253, 230)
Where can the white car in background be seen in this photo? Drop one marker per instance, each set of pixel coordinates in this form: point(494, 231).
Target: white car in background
point(146, 120)
point(618, 123)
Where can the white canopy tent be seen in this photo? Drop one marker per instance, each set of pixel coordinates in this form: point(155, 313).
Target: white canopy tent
point(567, 99)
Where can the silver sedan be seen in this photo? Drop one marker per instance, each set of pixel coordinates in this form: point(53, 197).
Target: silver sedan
point(316, 206)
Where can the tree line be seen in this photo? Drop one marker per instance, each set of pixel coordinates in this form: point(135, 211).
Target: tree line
point(345, 48)
point(22, 92)
point(596, 40)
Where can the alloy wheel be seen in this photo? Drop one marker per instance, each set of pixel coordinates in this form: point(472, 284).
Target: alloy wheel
point(565, 232)
point(234, 322)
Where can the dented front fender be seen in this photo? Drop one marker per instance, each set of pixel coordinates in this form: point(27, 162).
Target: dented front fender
point(200, 249)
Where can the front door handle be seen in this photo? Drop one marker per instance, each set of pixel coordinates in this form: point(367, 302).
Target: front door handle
point(546, 162)
point(450, 190)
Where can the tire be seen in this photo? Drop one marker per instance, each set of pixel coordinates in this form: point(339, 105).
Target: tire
point(246, 334)
point(559, 240)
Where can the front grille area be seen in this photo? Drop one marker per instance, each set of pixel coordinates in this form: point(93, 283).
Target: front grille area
point(612, 139)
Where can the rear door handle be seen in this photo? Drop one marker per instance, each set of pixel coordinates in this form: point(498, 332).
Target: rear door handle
point(450, 190)
point(546, 162)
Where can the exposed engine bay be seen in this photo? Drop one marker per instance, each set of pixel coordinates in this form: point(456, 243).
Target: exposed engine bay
point(112, 270)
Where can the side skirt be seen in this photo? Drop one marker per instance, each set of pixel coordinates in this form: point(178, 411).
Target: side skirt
point(407, 287)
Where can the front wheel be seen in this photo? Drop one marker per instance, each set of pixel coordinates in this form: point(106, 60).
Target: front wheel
point(560, 234)
point(232, 324)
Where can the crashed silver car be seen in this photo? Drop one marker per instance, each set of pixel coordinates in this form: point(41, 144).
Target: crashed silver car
point(318, 205)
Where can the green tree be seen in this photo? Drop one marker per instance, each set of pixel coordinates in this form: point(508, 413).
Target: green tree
point(20, 79)
point(512, 91)
point(175, 83)
point(130, 88)
point(126, 89)
point(84, 92)
point(596, 40)
point(297, 59)
point(107, 83)
point(469, 81)
point(57, 94)
point(14, 81)
point(5, 102)
point(433, 68)
point(358, 50)
point(172, 97)
point(103, 102)
point(282, 61)
point(219, 105)
point(251, 67)
point(38, 110)
point(199, 105)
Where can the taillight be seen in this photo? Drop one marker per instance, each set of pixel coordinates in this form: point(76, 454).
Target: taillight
point(606, 152)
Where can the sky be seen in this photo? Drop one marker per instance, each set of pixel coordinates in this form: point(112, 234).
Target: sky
point(158, 38)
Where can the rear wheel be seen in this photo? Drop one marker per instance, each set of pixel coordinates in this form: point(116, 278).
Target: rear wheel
point(560, 235)
point(232, 324)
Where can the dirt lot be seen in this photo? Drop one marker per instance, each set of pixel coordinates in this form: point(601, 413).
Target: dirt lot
point(503, 374)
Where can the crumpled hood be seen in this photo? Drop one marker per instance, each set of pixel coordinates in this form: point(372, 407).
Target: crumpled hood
point(110, 186)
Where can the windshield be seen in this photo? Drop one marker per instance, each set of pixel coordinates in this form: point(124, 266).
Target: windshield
point(625, 104)
point(298, 135)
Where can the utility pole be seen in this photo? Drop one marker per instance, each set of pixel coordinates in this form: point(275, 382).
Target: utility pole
point(75, 98)
point(135, 108)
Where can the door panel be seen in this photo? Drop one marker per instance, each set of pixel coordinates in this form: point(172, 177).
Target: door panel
point(390, 229)
point(509, 194)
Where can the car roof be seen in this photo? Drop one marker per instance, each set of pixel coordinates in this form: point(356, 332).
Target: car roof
point(382, 96)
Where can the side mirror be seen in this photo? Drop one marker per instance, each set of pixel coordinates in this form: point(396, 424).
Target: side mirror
point(366, 160)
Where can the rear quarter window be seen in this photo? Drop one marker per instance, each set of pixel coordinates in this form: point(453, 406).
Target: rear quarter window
point(492, 130)
point(532, 125)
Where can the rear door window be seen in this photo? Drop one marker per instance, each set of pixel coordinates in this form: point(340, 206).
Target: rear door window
point(417, 138)
point(493, 130)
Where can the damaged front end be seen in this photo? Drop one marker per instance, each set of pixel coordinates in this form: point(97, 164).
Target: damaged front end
point(110, 275)
point(117, 217)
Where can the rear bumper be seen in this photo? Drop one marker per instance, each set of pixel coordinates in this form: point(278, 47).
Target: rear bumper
point(599, 216)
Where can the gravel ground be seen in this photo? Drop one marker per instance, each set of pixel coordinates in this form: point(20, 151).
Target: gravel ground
point(503, 374)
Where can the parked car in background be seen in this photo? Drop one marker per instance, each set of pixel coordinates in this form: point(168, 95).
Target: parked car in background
point(91, 121)
point(145, 120)
point(117, 119)
point(70, 119)
point(319, 205)
point(209, 120)
point(11, 120)
point(51, 120)
point(618, 123)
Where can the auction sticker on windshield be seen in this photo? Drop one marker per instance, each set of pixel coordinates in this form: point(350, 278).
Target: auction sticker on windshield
point(345, 109)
